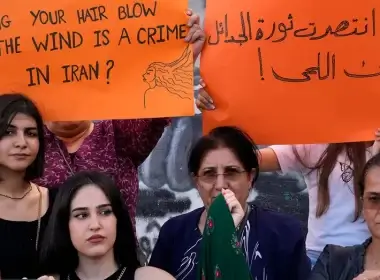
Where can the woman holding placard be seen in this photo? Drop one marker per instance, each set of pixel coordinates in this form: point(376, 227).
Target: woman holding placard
point(116, 147)
point(331, 173)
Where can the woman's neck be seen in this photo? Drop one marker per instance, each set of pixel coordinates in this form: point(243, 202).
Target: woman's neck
point(12, 183)
point(73, 136)
point(373, 255)
point(96, 268)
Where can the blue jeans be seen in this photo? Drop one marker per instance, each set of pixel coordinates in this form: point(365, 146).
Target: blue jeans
point(313, 256)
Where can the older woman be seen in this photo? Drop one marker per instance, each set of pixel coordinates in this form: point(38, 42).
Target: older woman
point(116, 147)
point(360, 262)
point(226, 161)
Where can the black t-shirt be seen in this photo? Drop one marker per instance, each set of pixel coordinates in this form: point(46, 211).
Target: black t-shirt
point(128, 274)
point(18, 255)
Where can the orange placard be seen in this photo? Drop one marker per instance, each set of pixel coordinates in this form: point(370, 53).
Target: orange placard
point(98, 59)
point(292, 71)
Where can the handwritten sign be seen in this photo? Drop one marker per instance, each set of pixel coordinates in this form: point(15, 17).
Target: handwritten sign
point(98, 59)
point(294, 71)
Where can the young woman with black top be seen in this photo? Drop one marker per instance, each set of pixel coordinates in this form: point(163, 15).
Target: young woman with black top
point(24, 206)
point(90, 234)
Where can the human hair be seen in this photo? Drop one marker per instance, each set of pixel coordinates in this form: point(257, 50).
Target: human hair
point(58, 254)
point(356, 153)
point(12, 104)
point(372, 163)
point(229, 137)
point(177, 75)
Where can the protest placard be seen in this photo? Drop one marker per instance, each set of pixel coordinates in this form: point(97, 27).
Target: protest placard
point(98, 59)
point(294, 71)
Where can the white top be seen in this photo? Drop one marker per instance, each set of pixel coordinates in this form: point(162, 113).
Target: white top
point(336, 226)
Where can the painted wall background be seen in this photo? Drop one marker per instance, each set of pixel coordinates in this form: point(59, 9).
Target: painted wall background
point(166, 189)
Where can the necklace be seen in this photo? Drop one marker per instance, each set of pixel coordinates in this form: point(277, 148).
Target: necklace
point(38, 217)
point(18, 198)
point(71, 171)
point(118, 278)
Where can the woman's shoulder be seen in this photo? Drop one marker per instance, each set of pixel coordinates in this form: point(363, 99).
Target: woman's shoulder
point(149, 272)
point(282, 225)
point(333, 252)
point(188, 219)
point(181, 224)
point(337, 261)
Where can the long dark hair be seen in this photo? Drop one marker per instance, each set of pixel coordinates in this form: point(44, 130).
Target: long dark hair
point(356, 153)
point(58, 255)
point(15, 103)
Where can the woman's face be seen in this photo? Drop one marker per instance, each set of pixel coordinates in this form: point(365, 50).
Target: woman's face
point(67, 129)
point(371, 201)
point(20, 144)
point(149, 75)
point(220, 169)
point(92, 224)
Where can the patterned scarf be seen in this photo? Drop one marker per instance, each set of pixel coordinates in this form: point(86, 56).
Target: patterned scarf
point(221, 256)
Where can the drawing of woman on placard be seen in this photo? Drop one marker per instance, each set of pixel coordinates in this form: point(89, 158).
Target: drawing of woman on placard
point(173, 79)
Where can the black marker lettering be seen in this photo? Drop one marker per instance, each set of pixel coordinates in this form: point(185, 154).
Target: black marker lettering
point(161, 34)
point(93, 14)
point(58, 41)
point(10, 46)
point(5, 22)
point(36, 75)
point(282, 30)
point(161, 37)
point(101, 38)
point(124, 36)
point(136, 10)
point(76, 73)
point(43, 17)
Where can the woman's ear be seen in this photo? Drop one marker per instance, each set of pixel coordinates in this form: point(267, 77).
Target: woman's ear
point(195, 179)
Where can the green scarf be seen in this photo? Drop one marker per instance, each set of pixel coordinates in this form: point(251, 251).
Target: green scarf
point(221, 256)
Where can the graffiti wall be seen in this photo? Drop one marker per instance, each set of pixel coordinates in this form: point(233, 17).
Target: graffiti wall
point(166, 190)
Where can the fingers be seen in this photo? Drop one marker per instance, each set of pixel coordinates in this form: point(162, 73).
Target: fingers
point(204, 101)
point(377, 134)
point(189, 12)
point(195, 34)
point(231, 200)
point(194, 18)
point(202, 92)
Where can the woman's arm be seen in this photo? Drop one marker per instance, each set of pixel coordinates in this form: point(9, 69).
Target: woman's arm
point(268, 160)
point(161, 255)
point(136, 139)
point(321, 270)
point(300, 266)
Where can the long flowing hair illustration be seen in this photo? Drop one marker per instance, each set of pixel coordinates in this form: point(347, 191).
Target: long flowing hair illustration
point(176, 77)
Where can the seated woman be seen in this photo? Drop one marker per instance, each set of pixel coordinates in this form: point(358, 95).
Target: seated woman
point(226, 161)
point(360, 262)
point(24, 206)
point(90, 235)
